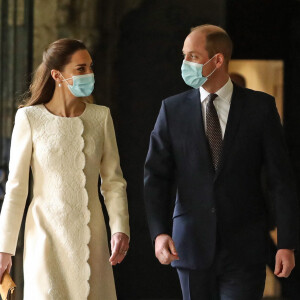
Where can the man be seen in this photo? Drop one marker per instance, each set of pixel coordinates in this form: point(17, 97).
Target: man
point(212, 142)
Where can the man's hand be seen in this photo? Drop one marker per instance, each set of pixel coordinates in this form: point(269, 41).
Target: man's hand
point(119, 247)
point(285, 262)
point(5, 263)
point(165, 250)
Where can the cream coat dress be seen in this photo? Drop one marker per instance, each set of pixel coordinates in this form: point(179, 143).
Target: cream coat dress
point(66, 250)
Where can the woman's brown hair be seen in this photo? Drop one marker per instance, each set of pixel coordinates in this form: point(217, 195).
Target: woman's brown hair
point(56, 56)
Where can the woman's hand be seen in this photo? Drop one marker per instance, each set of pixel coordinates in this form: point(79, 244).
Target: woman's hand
point(119, 247)
point(5, 263)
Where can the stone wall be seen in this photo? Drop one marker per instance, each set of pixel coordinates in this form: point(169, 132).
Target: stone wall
point(95, 22)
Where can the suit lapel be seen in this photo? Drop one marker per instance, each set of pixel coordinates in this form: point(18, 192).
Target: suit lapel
point(233, 121)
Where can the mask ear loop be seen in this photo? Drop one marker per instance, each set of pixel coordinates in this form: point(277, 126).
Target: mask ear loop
point(65, 79)
point(213, 70)
point(211, 73)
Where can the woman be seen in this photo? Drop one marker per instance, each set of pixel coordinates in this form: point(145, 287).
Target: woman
point(67, 143)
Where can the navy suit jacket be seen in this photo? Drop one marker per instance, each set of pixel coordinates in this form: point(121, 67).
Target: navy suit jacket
point(225, 208)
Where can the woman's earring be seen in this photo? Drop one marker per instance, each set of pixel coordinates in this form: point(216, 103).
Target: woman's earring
point(59, 84)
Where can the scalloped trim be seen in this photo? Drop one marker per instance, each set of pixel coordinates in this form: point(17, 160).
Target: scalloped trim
point(87, 218)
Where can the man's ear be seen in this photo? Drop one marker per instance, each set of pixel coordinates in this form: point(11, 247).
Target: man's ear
point(220, 60)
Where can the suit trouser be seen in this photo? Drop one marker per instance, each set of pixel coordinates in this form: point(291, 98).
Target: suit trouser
point(223, 281)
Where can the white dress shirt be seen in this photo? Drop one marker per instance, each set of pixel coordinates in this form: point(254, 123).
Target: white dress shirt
point(222, 103)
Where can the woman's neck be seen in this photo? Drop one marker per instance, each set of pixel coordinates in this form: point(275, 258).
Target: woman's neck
point(65, 105)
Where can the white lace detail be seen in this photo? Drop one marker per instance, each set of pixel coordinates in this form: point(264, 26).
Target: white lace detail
point(59, 146)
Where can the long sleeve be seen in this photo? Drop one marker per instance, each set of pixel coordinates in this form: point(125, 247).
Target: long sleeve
point(159, 177)
point(280, 180)
point(113, 185)
point(17, 184)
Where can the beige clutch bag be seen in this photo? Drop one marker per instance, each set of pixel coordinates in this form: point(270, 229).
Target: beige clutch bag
point(7, 287)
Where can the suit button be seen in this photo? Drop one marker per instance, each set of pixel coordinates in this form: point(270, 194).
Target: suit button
point(213, 210)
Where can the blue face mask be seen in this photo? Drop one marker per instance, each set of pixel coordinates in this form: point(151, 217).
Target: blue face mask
point(192, 73)
point(83, 85)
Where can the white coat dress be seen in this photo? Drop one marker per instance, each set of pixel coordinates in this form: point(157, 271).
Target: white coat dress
point(66, 253)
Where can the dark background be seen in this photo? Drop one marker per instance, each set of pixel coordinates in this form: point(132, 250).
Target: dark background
point(137, 64)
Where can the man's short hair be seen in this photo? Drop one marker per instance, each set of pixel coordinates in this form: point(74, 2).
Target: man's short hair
point(217, 40)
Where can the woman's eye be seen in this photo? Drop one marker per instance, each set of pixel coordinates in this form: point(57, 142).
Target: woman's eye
point(80, 69)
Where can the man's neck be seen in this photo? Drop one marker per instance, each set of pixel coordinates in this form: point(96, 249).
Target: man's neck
point(213, 84)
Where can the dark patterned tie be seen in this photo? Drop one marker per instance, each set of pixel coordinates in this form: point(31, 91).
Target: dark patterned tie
point(213, 130)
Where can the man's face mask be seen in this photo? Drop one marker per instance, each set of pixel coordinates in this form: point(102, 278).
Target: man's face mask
point(192, 73)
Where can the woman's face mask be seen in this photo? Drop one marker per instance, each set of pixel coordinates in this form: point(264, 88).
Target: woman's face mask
point(83, 85)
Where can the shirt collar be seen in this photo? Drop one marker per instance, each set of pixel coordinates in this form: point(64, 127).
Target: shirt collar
point(225, 92)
